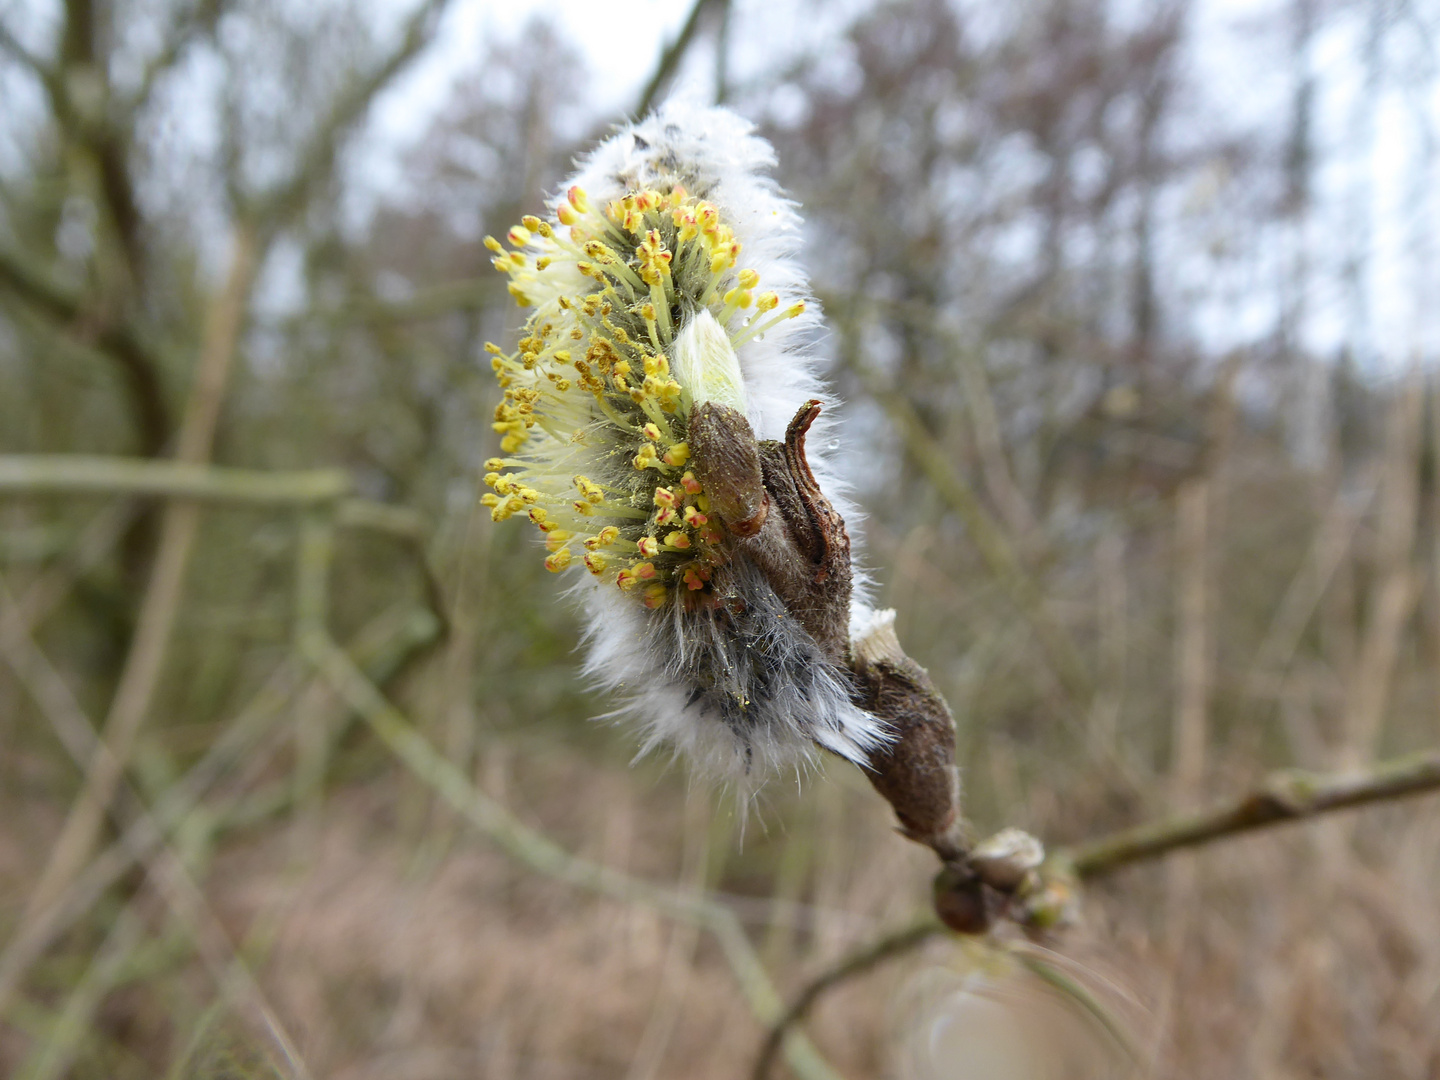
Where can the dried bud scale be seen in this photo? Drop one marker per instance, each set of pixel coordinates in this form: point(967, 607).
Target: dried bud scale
point(647, 432)
point(916, 771)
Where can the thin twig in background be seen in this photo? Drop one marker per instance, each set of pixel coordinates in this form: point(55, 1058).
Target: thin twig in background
point(855, 964)
point(312, 636)
point(1286, 796)
point(989, 538)
point(166, 871)
point(161, 604)
point(1399, 583)
point(992, 544)
point(1190, 731)
point(671, 56)
point(543, 856)
point(380, 647)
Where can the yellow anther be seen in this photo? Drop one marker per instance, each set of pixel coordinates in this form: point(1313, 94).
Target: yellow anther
point(797, 308)
point(767, 301)
point(687, 228)
point(620, 330)
point(591, 490)
point(654, 258)
point(489, 499)
point(491, 347)
point(494, 245)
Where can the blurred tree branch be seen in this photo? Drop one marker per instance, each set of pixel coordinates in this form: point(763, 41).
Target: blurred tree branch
point(986, 533)
point(114, 338)
point(80, 99)
point(1286, 796)
point(160, 605)
point(673, 53)
point(316, 163)
point(32, 63)
point(224, 321)
point(199, 21)
point(166, 869)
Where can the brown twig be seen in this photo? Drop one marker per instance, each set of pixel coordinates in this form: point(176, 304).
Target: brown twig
point(1286, 796)
point(857, 963)
point(1290, 795)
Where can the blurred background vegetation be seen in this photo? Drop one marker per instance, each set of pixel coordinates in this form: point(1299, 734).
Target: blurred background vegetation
point(1133, 307)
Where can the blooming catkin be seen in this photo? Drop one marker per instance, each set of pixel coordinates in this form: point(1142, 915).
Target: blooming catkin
point(664, 281)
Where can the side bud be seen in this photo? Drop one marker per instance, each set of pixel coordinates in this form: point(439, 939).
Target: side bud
point(727, 465)
point(706, 363)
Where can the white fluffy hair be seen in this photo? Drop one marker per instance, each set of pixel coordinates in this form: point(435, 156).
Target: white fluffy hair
point(682, 673)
